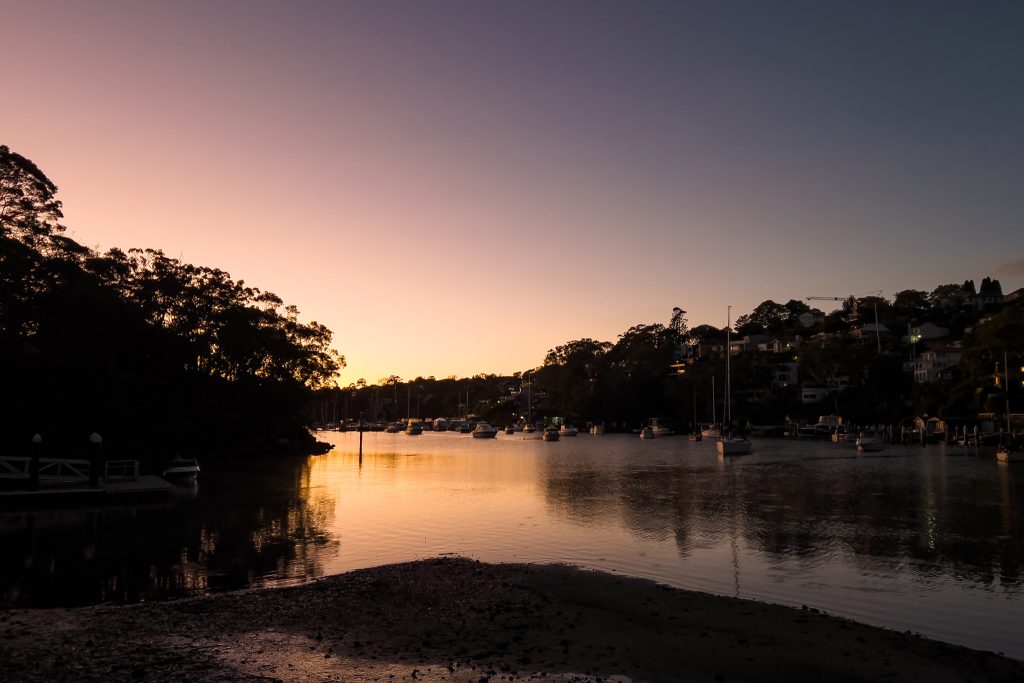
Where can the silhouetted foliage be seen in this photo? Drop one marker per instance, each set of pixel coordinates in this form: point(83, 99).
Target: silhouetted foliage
point(156, 355)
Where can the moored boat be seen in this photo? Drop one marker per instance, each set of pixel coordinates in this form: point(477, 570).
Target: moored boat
point(711, 431)
point(733, 445)
point(647, 433)
point(484, 431)
point(568, 430)
point(182, 469)
point(869, 444)
point(551, 433)
point(1004, 454)
point(413, 428)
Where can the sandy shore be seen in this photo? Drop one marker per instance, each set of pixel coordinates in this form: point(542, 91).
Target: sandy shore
point(460, 620)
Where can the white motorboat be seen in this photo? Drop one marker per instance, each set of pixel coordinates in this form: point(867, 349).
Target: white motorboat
point(568, 430)
point(1004, 454)
point(182, 469)
point(484, 431)
point(710, 432)
point(551, 433)
point(647, 433)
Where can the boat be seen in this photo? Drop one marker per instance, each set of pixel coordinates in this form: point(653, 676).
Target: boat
point(647, 433)
point(182, 469)
point(711, 431)
point(733, 445)
point(393, 428)
point(484, 431)
point(440, 425)
point(730, 445)
point(1004, 454)
point(597, 429)
point(568, 430)
point(695, 434)
point(510, 430)
point(551, 433)
point(529, 428)
point(660, 428)
point(413, 428)
point(465, 428)
point(867, 443)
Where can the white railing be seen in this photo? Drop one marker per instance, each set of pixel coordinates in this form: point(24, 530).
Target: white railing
point(63, 470)
point(50, 469)
point(121, 469)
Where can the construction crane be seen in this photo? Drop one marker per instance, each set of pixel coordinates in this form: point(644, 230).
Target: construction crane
point(878, 294)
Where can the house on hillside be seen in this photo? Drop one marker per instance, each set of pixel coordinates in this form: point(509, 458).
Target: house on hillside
point(813, 393)
point(929, 366)
point(785, 375)
point(926, 332)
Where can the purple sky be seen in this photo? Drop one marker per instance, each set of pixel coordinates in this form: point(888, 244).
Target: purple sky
point(455, 188)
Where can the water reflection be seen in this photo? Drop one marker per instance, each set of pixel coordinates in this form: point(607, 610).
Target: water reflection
point(962, 520)
point(914, 538)
point(236, 530)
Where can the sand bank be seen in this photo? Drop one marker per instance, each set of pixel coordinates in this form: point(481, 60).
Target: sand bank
point(460, 620)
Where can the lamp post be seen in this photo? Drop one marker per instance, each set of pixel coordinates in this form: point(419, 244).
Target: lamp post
point(94, 459)
point(33, 464)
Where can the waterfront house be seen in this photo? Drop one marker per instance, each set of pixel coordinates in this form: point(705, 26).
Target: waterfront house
point(813, 393)
point(785, 375)
point(933, 361)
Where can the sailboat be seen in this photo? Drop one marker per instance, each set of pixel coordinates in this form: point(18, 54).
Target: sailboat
point(712, 430)
point(528, 428)
point(695, 434)
point(1003, 453)
point(730, 445)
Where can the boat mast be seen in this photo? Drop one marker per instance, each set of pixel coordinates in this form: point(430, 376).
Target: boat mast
point(728, 352)
point(1006, 390)
point(714, 418)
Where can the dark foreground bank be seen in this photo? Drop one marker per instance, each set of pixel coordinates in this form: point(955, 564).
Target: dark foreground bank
point(459, 620)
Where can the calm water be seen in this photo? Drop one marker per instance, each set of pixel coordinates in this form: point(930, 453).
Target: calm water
point(921, 539)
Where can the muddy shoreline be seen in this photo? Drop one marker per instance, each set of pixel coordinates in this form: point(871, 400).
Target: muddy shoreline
point(461, 620)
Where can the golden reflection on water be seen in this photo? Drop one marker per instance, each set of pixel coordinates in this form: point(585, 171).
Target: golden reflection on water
point(918, 539)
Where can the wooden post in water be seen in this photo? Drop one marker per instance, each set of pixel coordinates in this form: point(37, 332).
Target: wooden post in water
point(33, 465)
point(96, 442)
point(360, 439)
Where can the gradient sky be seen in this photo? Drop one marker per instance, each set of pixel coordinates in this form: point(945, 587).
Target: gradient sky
point(455, 188)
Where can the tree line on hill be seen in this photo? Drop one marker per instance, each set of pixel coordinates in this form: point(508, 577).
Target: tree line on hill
point(158, 356)
point(677, 373)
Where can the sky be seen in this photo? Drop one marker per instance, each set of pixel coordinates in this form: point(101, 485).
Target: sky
point(457, 187)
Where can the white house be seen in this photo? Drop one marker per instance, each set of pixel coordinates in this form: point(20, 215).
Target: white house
point(933, 361)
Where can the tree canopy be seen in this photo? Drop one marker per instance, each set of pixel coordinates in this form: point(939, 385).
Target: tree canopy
point(115, 341)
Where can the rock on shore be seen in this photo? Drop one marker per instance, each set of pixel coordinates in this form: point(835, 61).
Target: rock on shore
point(460, 620)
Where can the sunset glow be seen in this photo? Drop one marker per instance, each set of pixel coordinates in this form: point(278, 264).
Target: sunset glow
point(455, 188)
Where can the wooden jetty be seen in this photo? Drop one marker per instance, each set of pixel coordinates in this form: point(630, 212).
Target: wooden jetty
point(65, 482)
